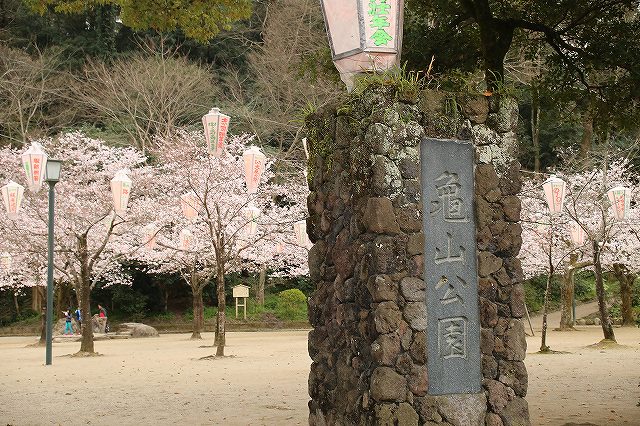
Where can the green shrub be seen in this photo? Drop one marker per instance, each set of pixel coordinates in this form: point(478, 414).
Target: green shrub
point(291, 305)
point(165, 316)
point(128, 303)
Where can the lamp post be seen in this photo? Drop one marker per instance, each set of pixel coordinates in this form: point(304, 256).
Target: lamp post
point(554, 191)
point(364, 35)
point(52, 176)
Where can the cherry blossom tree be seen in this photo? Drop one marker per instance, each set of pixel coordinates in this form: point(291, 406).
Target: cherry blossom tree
point(88, 233)
point(546, 245)
point(622, 258)
point(225, 235)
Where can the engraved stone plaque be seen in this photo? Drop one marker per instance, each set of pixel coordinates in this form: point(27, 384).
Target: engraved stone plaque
point(450, 267)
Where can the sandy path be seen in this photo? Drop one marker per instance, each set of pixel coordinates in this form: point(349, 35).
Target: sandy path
point(162, 381)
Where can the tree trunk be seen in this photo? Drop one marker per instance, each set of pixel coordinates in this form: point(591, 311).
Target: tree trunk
point(568, 286)
point(198, 314)
point(587, 135)
point(607, 328)
point(36, 300)
point(220, 339)
point(43, 326)
point(16, 304)
point(84, 286)
point(86, 344)
point(261, 282)
point(626, 285)
point(535, 128)
point(166, 300)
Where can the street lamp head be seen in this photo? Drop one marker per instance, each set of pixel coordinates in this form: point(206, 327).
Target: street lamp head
point(12, 194)
point(364, 35)
point(34, 160)
point(254, 162)
point(620, 198)
point(53, 168)
point(215, 130)
point(554, 192)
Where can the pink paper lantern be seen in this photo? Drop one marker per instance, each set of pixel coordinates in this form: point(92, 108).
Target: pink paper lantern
point(620, 198)
point(254, 163)
point(577, 234)
point(34, 161)
point(216, 126)
point(120, 190)
point(12, 194)
point(554, 193)
point(188, 203)
point(364, 35)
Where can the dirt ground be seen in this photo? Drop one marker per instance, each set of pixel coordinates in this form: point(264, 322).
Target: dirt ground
point(163, 381)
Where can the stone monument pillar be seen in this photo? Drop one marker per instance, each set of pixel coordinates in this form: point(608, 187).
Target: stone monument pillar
point(371, 331)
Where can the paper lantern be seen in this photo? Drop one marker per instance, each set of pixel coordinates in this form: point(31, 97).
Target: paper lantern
point(364, 35)
point(121, 190)
point(300, 230)
point(12, 194)
point(188, 202)
point(254, 163)
point(34, 162)
point(578, 235)
point(5, 262)
point(620, 198)
point(186, 239)
point(216, 126)
point(554, 192)
point(251, 214)
point(150, 232)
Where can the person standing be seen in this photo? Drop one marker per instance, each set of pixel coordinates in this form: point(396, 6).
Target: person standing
point(67, 322)
point(79, 317)
point(103, 314)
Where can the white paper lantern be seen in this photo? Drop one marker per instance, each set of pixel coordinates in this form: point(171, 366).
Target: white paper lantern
point(364, 35)
point(554, 193)
point(150, 232)
point(578, 235)
point(254, 163)
point(186, 239)
point(120, 190)
point(300, 230)
point(251, 215)
point(34, 161)
point(12, 194)
point(620, 198)
point(188, 203)
point(5, 262)
point(216, 126)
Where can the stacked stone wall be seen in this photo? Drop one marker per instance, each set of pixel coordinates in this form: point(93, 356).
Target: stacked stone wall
point(368, 312)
